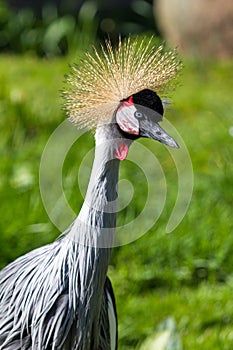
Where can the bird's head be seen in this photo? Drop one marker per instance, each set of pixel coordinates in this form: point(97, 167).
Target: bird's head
point(138, 116)
point(113, 91)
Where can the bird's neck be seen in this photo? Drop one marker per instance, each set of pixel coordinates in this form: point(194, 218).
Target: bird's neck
point(93, 231)
point(97, 218)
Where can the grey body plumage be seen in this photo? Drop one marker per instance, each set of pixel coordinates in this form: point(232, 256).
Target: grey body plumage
point(57, 296)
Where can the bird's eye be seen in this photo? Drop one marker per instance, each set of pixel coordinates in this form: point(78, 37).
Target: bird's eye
point(138, 115)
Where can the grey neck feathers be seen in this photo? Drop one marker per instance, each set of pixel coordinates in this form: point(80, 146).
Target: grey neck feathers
point(92, 234)
point(96, 222)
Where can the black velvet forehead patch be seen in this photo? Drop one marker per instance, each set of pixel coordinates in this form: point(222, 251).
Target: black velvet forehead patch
point(149, 99)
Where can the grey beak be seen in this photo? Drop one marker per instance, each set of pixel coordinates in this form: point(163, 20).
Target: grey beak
point(154, 131)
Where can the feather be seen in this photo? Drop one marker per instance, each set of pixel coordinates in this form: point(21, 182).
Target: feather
point(107, 76)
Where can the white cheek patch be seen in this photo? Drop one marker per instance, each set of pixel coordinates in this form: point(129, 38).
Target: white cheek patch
point(126, 120)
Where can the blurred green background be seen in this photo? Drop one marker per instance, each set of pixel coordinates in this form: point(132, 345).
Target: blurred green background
point(187, 274)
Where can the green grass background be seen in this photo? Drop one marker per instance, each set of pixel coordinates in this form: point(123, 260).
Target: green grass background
point(187, 274)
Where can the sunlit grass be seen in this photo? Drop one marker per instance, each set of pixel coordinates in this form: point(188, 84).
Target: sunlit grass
point(203, 316)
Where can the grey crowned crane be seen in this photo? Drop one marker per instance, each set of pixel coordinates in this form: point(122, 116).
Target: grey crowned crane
point(58, 297)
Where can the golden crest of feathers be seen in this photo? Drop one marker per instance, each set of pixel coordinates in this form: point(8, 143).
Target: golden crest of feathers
point(105, 77)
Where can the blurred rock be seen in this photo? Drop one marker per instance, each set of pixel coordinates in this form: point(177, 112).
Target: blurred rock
point(166, 337)
point(199, 27)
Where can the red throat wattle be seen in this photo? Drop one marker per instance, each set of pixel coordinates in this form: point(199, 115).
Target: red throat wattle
point(122, 151)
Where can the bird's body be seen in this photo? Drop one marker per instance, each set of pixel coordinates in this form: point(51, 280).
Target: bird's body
point(58, 297)
point(46, 316)
point(62, 298)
